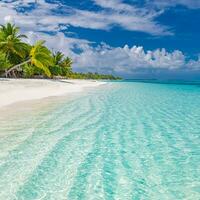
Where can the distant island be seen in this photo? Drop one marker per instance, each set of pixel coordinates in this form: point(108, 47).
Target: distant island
point(22, 60)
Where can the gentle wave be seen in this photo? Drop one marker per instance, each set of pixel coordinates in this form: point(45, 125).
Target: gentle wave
point(127, 140)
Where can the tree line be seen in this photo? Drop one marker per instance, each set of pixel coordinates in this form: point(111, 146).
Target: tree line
point(20, 59)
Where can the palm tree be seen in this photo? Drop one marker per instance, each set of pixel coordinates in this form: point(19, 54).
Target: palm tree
point(67, 62)
point(58, 58)
point(11, 44)
point(67, 66)
point(61, 65)
point(39, 56)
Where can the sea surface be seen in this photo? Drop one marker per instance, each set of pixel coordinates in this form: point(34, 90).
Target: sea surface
point(123, 141)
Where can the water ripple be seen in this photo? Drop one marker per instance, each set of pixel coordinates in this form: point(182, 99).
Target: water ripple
point(127, 141)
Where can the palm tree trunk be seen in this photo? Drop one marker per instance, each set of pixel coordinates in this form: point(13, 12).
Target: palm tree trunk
point(14, 75)
point(16, 66)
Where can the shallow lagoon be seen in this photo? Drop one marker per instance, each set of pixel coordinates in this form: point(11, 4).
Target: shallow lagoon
point(125, 140)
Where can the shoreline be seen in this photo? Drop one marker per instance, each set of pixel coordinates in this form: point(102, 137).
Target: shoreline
point(18, 90)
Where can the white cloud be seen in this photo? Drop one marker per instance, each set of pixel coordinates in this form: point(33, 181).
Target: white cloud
point(192, 4)
point(102, 58)
point(59, 42)
point(114, 4)
point(133, 61)
point(113, 13)
point(194, 64)
point(128, 60)
point(9, 19)
point(118, 60)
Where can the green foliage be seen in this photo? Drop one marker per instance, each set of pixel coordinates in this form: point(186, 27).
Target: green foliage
point(28, 71)
point(11, 44)
point(62, 65)
point(67, 66)
point(21, 59)
point(58, 58)
point(41, 57)
point(56, 70)
point(67, 62)
point(4, 63)
point(95, 76)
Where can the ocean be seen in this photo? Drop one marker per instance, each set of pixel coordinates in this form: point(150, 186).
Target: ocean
point(125, 140)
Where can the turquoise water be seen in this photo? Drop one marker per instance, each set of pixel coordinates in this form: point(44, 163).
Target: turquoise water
point(122, 141)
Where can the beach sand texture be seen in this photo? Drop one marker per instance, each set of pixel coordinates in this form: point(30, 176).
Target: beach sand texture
point(16, 90)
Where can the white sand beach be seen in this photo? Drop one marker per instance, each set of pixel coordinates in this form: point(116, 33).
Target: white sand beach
point(17, 90)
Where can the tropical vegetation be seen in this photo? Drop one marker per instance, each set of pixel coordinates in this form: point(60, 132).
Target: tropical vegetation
point(21, 59)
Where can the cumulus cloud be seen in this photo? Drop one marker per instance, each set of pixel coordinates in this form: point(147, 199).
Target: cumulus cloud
point(128, 60)
point(87, 55)
point(117, 60)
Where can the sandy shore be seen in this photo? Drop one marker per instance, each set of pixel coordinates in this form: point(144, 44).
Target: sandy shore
point(16, 90)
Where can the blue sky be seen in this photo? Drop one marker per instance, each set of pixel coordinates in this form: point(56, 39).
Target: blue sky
point(130, 38)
